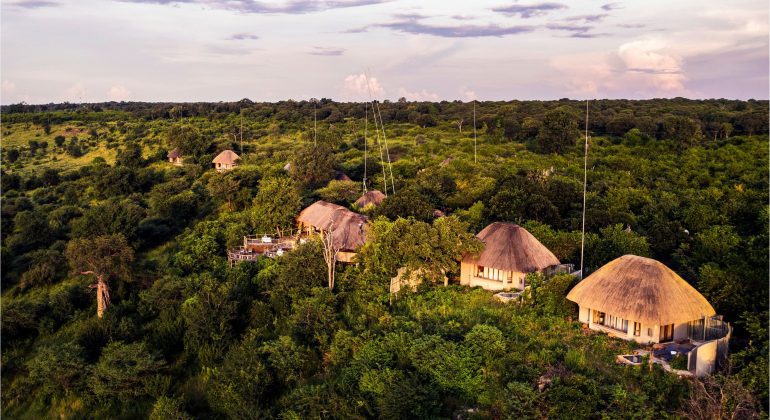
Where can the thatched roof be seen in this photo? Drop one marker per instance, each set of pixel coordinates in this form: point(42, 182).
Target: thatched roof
point(227, 157)
point(510, 247)
point(371, 198)
point(347, 226)
point(642, 290)
point(174, 154)
point(340, 176)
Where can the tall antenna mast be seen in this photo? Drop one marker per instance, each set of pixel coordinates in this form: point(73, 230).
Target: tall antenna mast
point(366, 128)
point(379, 143)
point(585, 180)
point(241, 133)
point(474, 131)
point(315, 129)
point(387, 153)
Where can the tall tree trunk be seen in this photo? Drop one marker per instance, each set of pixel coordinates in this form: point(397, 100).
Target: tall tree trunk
point(102, 296)
point(331, 272)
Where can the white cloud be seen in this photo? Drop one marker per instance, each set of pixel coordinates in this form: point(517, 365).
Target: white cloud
point(467, 94)
point(359, 87)
point(8, 87)
point(638, 68)
point(650, 59)
point(420, 96)
point(76, 93)
point(119, 93)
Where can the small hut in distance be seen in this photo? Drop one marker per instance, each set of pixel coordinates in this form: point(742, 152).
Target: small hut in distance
point(175, 157)
point(340, 176)
point(369, 200)
point(510, 253)
point(225, 161)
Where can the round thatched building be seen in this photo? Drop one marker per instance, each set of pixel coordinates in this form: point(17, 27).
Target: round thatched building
point(370, 199)
point(225, 161)
point(637, 298)
point(510, 252)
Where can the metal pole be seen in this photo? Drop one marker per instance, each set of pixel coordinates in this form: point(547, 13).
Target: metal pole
point(585, 180)
point(474, 131)
point(315, 129)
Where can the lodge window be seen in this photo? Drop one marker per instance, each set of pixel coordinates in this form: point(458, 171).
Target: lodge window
point(598, 317)
point(637, 329)
point(492, 273)
point(611, 321)
point(666, 332)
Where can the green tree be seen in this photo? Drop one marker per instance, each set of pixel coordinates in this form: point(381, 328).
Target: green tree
point(313, 320)
point(406, 203)
point(57, 369)
point(30, 231)
point(239, 384)
point(288, 360)
point(224, 187)
point(130, 155)
point(45, 266)
point(188, 139)
point(559, 130)
point(683, 130)
point(432, 250)
point(202, 248)
point(12, 155)
point(123, 371)
point(340, 192)
point(208, 316)
point(102, 257)
point(276, 205)
point(109, 217)
point(313, 166)
point(614, 242)
point(167, 408)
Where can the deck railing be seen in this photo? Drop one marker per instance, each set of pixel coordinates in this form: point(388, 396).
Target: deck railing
point(708, 328)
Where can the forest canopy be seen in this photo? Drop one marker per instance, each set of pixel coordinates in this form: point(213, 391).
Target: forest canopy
point(89, 198)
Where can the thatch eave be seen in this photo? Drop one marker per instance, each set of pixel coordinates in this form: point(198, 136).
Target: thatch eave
point(642, 290)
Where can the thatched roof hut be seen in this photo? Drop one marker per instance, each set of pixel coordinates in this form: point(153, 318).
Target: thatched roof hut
point(510, 247)
point(340, 176)
point(371, 198)
point(227, 157)
point(347, 226)
point(318, 214)
point(643, 290)
point(174, 154)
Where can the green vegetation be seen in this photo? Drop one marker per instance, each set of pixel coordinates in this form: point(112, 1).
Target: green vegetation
point(88, 197)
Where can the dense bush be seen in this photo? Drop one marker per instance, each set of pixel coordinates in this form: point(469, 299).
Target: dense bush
point(189, 336)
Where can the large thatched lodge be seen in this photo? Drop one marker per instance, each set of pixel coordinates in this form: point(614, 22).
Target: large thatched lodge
point(510, 252)
point(346, 227)
point(640, 299)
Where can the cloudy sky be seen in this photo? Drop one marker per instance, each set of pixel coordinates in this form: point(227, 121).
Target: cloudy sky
point(222, 50)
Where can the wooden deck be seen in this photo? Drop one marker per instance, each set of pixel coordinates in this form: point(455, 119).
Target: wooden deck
point(267, 245)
